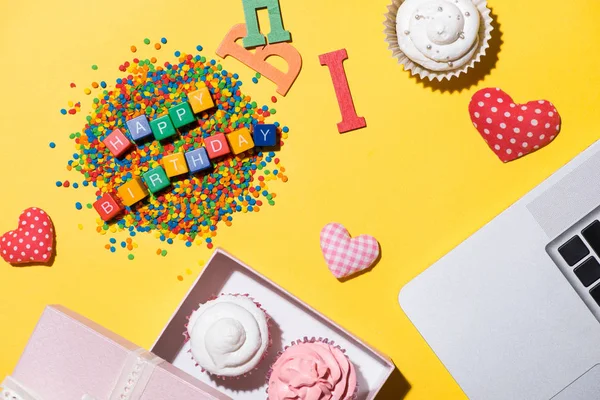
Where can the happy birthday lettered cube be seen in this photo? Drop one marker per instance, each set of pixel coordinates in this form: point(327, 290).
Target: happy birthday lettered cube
point(265, 135)
point(197, 160)
point(117, 143)
point(156, 179)
point(174, 164)
point(162, 127)
point(139, 128)
point(181, 115)
point(108, 207)
point(200, 100)
point(240, 141)
point(216, 146)
point(132, 191)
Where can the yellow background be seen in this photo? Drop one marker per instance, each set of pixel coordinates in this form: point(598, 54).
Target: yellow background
point(418, 178)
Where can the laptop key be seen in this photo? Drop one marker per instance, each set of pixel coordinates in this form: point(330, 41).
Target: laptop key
point(588, 272)
point(592, 236)
point(595, 292)
point(573, 251)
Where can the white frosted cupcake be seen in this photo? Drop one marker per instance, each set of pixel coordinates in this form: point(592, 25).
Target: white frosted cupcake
point(438, 39)
point(229, 335)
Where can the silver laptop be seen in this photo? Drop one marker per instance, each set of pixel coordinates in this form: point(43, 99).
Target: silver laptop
point(513, 312)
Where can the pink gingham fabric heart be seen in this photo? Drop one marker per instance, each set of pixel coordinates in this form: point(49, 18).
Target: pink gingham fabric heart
point(344, 255)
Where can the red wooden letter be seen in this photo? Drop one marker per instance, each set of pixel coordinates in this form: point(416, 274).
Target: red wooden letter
point(335, 62)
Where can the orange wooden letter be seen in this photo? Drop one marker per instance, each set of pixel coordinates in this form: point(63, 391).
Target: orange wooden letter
point(257, 60)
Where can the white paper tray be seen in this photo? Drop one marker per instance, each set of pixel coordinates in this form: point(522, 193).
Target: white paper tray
point(291, 320)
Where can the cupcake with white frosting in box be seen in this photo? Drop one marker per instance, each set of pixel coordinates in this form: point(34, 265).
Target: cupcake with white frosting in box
point(229, 336)
point(438, 39)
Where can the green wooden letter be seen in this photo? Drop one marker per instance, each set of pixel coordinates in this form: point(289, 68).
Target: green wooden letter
point(254, 38)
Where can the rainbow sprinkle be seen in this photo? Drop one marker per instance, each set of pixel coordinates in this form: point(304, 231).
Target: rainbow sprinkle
point(194, 207)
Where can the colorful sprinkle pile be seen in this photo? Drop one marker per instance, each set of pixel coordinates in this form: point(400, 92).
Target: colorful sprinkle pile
point(74, 108)
point(193, 208)
point(128, 245)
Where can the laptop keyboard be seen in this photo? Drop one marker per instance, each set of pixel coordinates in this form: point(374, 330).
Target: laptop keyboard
point(575, 253)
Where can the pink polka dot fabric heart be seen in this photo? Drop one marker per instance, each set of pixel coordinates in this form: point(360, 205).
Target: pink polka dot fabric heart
point(513, 130)
point(344, 255)
point(31, 242)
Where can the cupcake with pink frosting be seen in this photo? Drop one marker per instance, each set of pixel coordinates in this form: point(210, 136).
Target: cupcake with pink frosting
point(312, 370)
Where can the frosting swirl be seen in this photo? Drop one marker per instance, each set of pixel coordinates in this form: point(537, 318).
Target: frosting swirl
point(312, 371)
point(228, 335)
point(440, 35)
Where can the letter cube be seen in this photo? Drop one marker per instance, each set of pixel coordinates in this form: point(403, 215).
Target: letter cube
point(240, 141)
point(200, 100)
point(132, 191)
point(156, 179)
point(107, 206)
point(139, 128)
point(162, 127)
point(174, 164)
point(216, 145)
point(197, 160)
point(117, 143)
point(181, 115)
point(265, 135)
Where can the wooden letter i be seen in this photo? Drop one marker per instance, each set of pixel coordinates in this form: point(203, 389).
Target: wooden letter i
point(335, 62)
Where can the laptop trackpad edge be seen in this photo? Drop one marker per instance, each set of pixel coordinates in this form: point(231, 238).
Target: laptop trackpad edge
point(586, 387)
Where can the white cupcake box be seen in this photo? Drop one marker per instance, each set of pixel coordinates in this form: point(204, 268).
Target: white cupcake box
point(291, 320)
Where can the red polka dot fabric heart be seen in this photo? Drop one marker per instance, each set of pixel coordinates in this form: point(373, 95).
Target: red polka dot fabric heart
point(344, 255)
point(513, 130)
point(31, 242)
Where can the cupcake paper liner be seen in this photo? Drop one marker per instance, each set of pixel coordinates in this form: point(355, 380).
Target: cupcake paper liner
point(485, 34)
point(306, 339)
point(265, 353)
